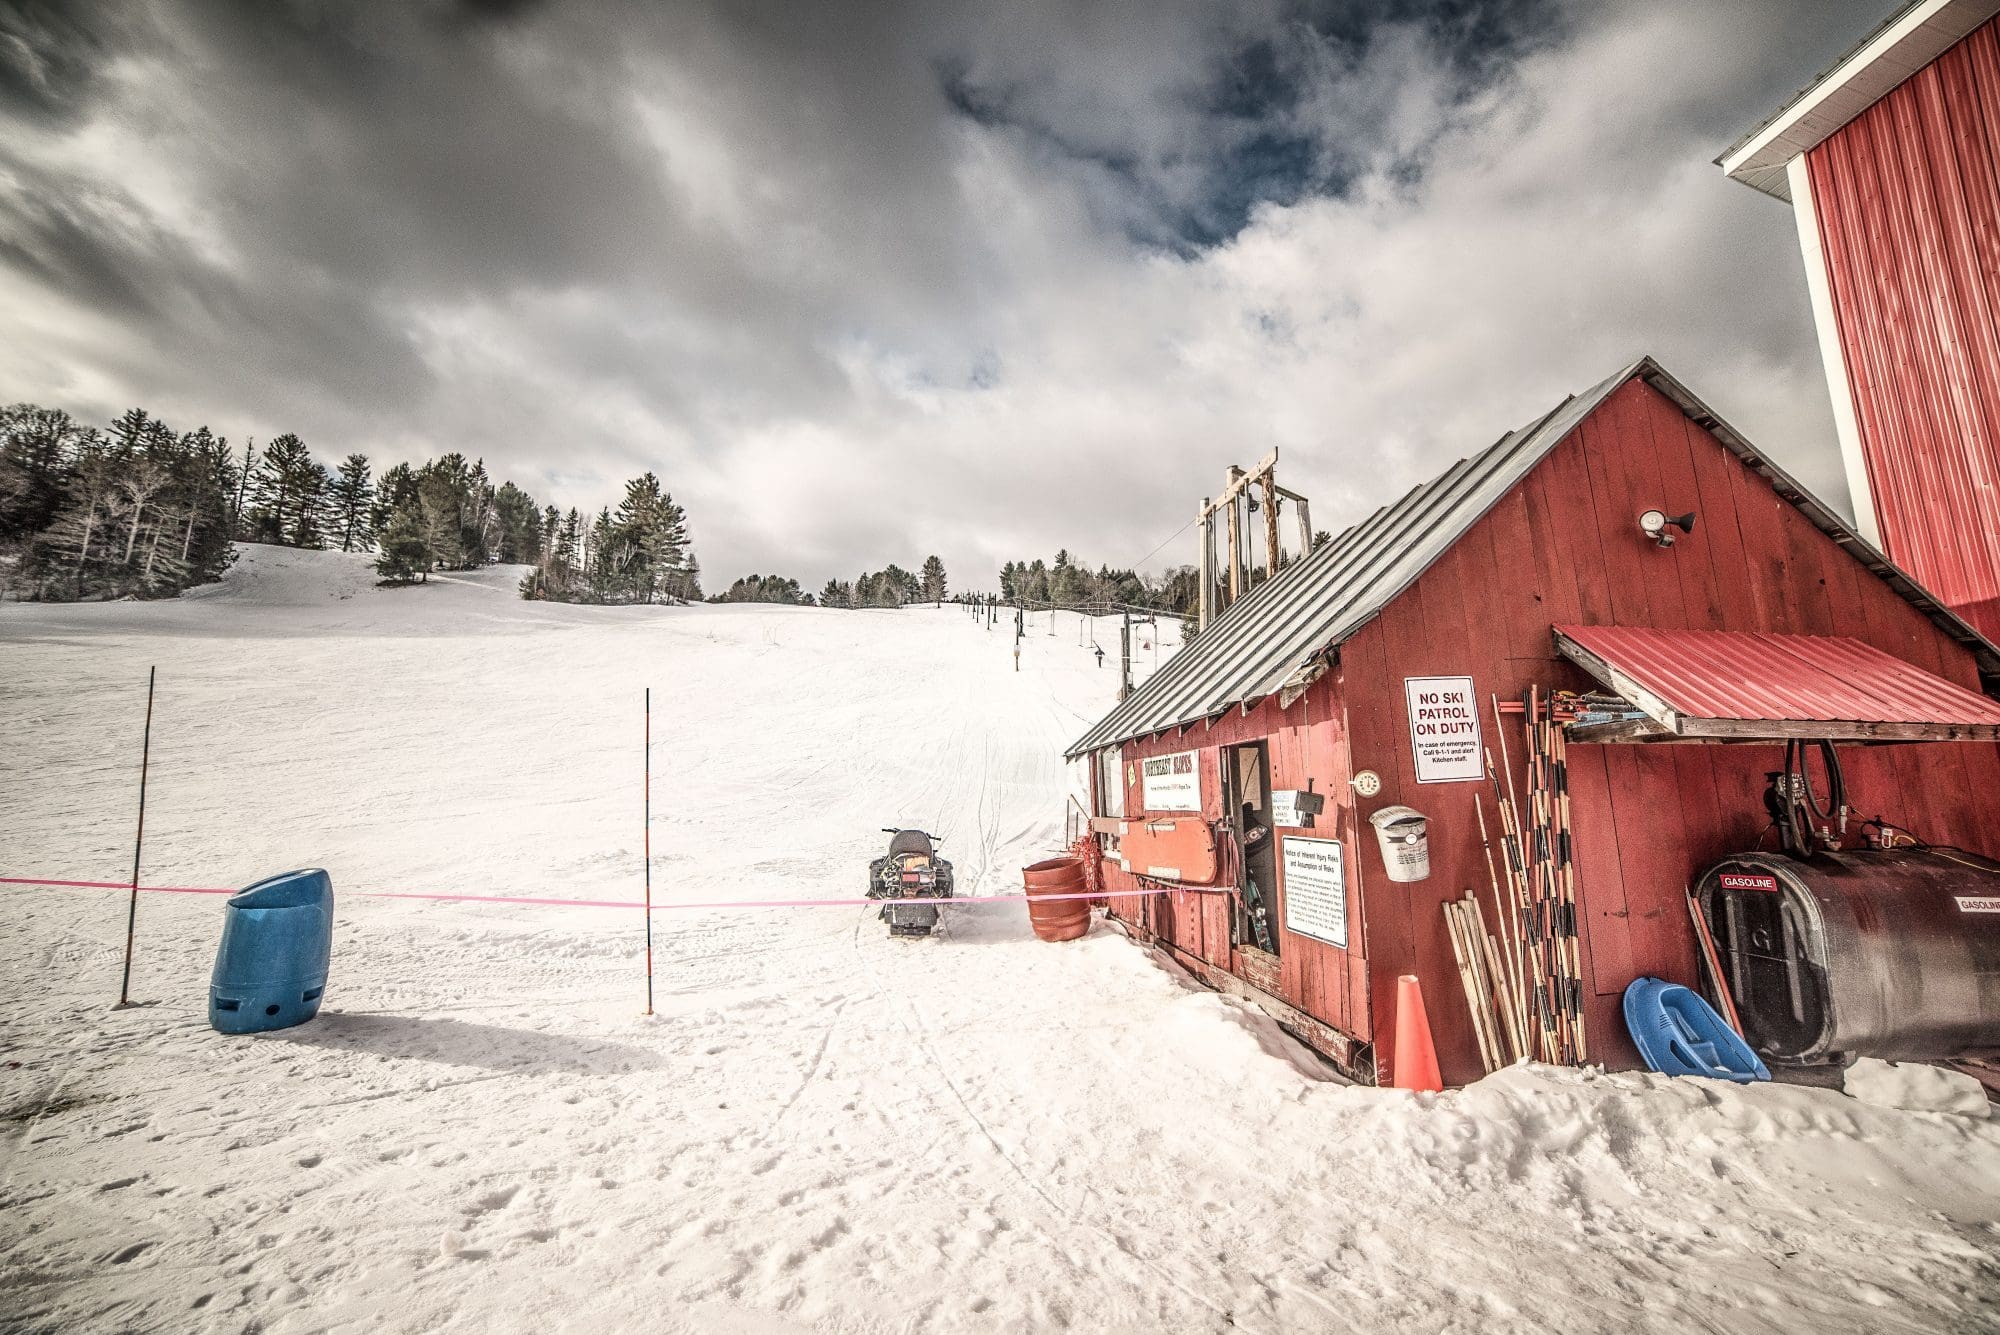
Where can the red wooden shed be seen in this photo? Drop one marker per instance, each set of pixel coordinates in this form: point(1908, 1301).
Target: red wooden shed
point(1519, 566)
point(1891, 162)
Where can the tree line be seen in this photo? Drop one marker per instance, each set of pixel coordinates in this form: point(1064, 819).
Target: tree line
point(1066, 583)
point(137, 509)
point(891, 586)
point(140, 509)
point(638, 553)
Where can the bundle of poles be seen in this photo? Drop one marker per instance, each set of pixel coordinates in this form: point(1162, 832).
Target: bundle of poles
point(1525, 983)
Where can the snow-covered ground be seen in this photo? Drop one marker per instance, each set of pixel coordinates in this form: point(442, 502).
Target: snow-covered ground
point(821, 1129)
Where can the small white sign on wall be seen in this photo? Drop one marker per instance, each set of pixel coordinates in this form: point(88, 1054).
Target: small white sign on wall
point(1444, 729)
point(1315, 889)
point(1171, 782)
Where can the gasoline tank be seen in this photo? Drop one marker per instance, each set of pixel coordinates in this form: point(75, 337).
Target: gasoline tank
point(1892, 954)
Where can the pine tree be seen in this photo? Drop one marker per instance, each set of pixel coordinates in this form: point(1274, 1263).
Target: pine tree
point(519, 525)
point(395, 490)
point(312, 514)
point(352, 491)
point(35, 448)
point(440, 514)
point(403, 553)
point(243, 476)
point(765, 589)
point(605, 557)
point(129, 432)
point(934, 588)
point(653, 533)
point(280, 488)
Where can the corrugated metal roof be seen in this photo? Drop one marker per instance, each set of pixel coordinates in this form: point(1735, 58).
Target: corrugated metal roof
point(1761, 677)
point(1916, 34)
point(1275, 635)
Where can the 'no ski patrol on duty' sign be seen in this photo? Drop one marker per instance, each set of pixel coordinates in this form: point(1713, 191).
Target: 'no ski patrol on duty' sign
point(1444, 729)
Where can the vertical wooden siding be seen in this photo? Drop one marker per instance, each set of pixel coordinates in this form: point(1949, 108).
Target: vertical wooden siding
point(1305, 742)
point(1908, 199)
point(1566, 544)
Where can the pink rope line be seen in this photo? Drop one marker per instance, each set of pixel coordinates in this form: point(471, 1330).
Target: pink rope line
point(591, 903)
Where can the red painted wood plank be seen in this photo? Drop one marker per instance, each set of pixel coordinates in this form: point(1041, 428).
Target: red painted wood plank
point(1599, 776)
point(1621, 548)
point(1632, 467)
point(1555, 557)
point(1693, 553)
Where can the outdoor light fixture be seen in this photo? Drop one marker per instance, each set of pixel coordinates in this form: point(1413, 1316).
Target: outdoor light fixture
point(1659, 526)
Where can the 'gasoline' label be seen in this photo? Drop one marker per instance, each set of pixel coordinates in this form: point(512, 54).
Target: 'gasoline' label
point(1978, 903)
point(1737, 880)
point(1444, 729)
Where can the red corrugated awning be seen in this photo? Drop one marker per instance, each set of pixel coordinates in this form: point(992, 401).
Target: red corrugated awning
point(1721, 685)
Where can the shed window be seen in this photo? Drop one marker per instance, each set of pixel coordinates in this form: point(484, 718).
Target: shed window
point(1110, 783)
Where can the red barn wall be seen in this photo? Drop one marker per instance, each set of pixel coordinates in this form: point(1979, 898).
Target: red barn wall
point(1908, 202)
point(1306, 742)
point(1565, 546)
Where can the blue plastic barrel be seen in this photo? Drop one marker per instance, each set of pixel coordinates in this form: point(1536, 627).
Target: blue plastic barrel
point(277, 940)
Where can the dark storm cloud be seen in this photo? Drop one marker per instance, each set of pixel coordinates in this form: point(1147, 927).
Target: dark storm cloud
point(49, 55)
point(866, 280)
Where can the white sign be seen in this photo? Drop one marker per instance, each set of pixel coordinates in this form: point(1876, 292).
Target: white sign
point(1285, 809)
point(1315, 889)
point(1171, 783)
point(1978, 903)
point(1444, 729)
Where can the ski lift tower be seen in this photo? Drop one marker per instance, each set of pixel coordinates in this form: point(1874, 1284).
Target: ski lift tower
point(1221, 587)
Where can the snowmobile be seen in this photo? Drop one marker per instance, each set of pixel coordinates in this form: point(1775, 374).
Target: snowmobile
point(911, 869)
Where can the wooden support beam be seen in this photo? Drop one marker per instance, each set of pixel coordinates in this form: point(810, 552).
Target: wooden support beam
point(1207, 522)
point(1235, 537)
point(1270, 525)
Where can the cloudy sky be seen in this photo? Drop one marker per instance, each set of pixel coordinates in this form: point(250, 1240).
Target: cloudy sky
point(867, 281)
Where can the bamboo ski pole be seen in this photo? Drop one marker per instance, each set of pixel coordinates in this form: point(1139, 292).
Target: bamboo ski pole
point(1541, 877)
point(1506, 963)
point(1552, 873)
point(1475, 951)
point(647, 846)
point(1531, 921)
point(138, 843)
point(1536, 998)
point(1516, 1035)
point(1563, 879)
point(1559, 745)
point(1471, 986)
point(1493, 978)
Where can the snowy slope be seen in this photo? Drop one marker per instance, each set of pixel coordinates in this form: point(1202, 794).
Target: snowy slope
point(821, 1128)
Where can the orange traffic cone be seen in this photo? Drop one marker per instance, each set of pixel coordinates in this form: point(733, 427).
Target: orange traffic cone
point(1416, 1055)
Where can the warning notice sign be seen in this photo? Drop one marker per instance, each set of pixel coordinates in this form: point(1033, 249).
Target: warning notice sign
point(1444, 729)
point(1315, 889)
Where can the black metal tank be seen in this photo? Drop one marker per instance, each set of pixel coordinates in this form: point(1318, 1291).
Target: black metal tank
point(1891, 954)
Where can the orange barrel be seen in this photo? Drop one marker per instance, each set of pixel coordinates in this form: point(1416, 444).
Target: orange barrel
point(1060, 919)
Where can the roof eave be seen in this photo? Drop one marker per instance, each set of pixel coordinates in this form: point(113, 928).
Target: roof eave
point(1907, 40)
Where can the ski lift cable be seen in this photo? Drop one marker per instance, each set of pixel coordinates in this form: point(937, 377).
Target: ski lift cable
point(1134, 565)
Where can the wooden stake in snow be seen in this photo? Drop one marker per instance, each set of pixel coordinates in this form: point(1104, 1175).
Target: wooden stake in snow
point(647, 847)
point(138, 843)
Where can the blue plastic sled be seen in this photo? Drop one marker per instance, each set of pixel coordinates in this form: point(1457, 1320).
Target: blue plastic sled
point(277, 941)
point(1678, 1033)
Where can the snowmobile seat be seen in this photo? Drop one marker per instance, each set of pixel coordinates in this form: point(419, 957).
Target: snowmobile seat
point(911, 841)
